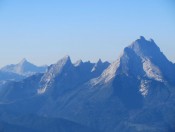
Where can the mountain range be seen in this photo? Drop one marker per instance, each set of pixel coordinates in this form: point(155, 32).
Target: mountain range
point(135, 93)
point(20, 71)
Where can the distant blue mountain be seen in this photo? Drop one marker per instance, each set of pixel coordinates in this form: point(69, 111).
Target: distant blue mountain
point(20, 71)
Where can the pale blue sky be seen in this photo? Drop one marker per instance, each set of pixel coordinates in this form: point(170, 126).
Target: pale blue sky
point(43, 31)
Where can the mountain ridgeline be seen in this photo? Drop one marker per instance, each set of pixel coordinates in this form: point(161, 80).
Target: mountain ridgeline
point(135, 93)
point(17, 72)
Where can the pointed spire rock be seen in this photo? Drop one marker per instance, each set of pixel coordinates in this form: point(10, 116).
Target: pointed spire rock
point(65, 59)
point(99, 61)
point(142, 38)
point(78, 63)
point(23, 61)
point(151, 40)
point(56, 69)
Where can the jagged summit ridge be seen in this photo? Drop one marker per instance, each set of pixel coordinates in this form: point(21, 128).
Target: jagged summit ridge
point(65, 69)
point(141, 58)
point(146, 48)
point(133, 92)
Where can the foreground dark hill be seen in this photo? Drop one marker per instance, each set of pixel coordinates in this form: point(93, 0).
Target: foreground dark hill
point(135, 93)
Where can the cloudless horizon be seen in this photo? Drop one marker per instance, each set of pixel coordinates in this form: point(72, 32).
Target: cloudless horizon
point(44, 31)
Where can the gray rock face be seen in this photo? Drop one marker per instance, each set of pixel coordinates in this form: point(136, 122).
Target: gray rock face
point(135, 93)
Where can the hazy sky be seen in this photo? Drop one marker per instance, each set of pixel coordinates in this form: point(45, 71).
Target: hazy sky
point(43, 31)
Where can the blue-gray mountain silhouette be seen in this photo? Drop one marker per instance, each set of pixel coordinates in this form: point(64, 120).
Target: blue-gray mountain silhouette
point(20, 71)
point(135, 93)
